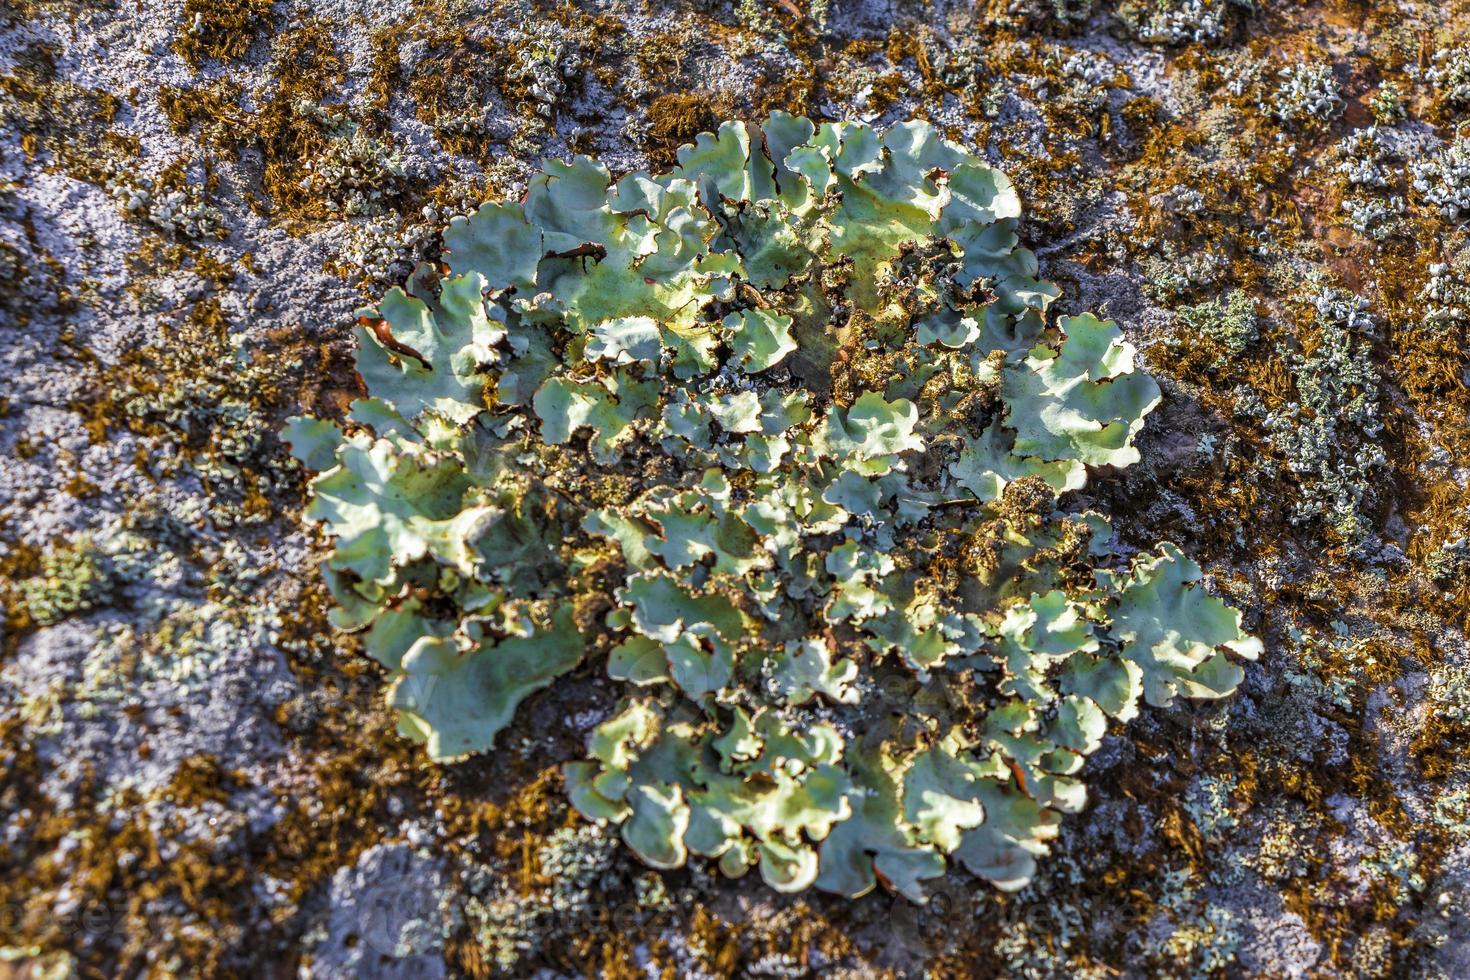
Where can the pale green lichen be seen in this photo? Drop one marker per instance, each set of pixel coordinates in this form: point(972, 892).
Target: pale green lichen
point(579, 865)
point(74, 578)
point(355, 173)
point(778, 431)
point(172, 204)
point(1441, 180)
point(1179, 21)
point(1305, 93)
point(1368, 159)
point(1450, 561)
point(1231, 323)
point(1192, 935)
point(1388, 104)
point(1327, 434)
point(1449, 73)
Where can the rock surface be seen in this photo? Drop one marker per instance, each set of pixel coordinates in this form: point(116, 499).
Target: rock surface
point(198, 776)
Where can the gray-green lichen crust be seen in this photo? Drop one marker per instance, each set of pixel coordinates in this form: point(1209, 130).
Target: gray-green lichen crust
point(784, 436)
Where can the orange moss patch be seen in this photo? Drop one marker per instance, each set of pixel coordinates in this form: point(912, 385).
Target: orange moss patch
point(222, 29)
point(676, 119)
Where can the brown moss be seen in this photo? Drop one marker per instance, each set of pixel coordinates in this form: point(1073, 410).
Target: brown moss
point(290, 128)
point(339, 806)
point(463, 71)
point(81, 488)
point(451, 81)
point(386, 76)
point(69, 122)
point(1142, 114)
point(122, 889)
point(673, 120)
point(660, 57)
point(295, 127)
point(19, 560)
point(222, 29)
point(210, 112)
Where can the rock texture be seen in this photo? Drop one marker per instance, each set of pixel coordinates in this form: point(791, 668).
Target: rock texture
point(197, 775)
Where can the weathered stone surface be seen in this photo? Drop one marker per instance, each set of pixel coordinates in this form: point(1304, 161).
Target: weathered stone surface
point(198, 776)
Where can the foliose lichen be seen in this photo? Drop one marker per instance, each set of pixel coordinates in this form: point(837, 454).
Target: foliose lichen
point(1306, 93)
point(1179, 21)
point(784, 438)
point(74, 578)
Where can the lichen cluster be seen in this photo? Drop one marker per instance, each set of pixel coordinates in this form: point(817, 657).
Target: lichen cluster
point(785, 439)
point(192, 197)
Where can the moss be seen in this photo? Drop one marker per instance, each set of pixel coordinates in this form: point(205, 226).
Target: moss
point(19, 561)
point(209, 112)
point(118, 884)
point(539, 62)
point(316, 160)
point(221, 29)
point(175, 202)
point(660, 58)
point(208, 401)
point(68, 123)
point(385, 77)
point(673, 120)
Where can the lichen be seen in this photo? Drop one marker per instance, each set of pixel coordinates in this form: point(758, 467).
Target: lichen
point(1306, 93)
point(1180, 21)
point(1442, 179)
point(798, 407)
point(213, 396)
point(577, 866)
point(171, 202)
point(1327, 433)
point(357, 174)
point(1449, 73)
point(74, 578)
point(1231, 323)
